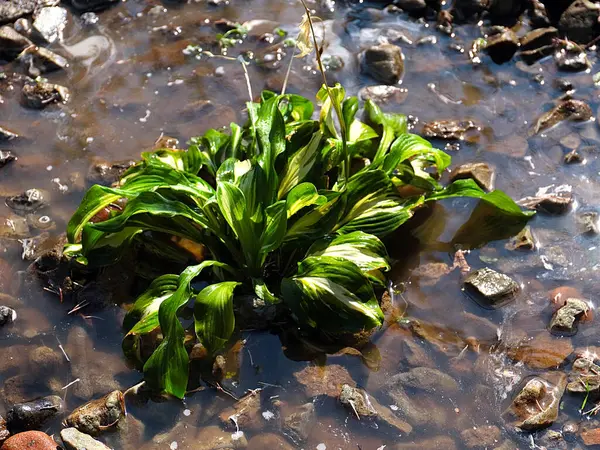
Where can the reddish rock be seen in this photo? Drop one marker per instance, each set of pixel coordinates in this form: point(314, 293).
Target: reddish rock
point(323, 380)
point(542, 352)
point(591, 437)
point(559, 295)
point(30, 440)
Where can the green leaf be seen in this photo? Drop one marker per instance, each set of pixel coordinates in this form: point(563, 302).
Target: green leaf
point(359, 132)
point(410, 147)
point(275, 227)
point(300, 108)
point(187, 161)
point(299, 165)
point(362, 249)
point(167, 368)
point(214, 319)
point(333, 295)
point(263, 292)
point(392, 126)
point(302, 196)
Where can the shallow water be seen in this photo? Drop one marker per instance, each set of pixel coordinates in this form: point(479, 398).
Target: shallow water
point(132, 82)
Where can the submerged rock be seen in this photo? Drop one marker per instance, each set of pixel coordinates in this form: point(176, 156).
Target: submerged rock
point(384, 62)
point(6, 156)
point(551, 200)
point(522, 241)
point(490, 288)
point(579, 22)
point(502, 46)
point(536, 406)
point(564, 321)
point(427, 379)
point(98, 415)
point(589, 222)
point(435, 443)
point(481, 437)
point(572, 110)
point(481, 173)
point(12, 43)
point(571, 58)
point(452, 129)
point(50, 23)
point(40, 60)
point(30, 440)
point(537, 44)
point(325, 380)
point(358, 402)
point(245, 414)
point(28, 202)
point(585, 376)
point(106, 173)
point(76, 440)
point(299, 423)
point(542, 352)
point(39, 95)
point(32, 415)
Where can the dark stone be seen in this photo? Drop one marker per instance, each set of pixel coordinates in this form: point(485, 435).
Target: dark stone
point(32, 415)
point(481, 173)
point(7, 315)
point(385, 63)
point(572, 58)
point(555, 202)
point(491, 289)
point(39, 95)
point(106, 173)
point(573, 110)
point(40, 60)
point(6, 156)
point(579, 22)
point(7, 135)
point(27, 202)
point(538, 14)
point(573, 157)
point(502, 9)
point(412, 6)
point(50, 23)
point(563, 85)
point(92, 5)
point(468, 8)
point(538, 38)
point(502, 46)
point(12, 43)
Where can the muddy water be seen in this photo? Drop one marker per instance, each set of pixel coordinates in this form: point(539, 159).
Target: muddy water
point(132, 81)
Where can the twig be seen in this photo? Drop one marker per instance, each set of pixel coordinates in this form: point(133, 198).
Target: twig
point(289, 69)
point(77, 380)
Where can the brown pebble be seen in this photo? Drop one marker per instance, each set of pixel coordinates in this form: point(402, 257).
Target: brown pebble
point(30, 440)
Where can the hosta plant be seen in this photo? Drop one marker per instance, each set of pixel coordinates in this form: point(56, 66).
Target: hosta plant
point(290, 208)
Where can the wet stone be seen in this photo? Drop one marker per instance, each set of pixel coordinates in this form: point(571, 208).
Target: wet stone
point(573, 157)
point(98, 415)
point(30, 201)
point(6, 157)
point(589, 222)
point(323, 380)
point(591, 436)
point(453, 130)
point(385, 63)
point(551, 201)
point(41, 94)
point(383, 94)
point(12, 43)
point(30, 440)
point(50, 23)
point(536, 406)
point(7, 135)
point(427, 379)
point(572, 110)
point(105, 173)
point(299, 423)
point(564, 321)
point(34, 414)
point(7, 315)
point(13, 9)
point(245, 414)
point(360, 404)
point(502, 46)
point(491, 289)
point(40, 60)
point(481, 173)
point(580, 21)
point(584, 376)
point(544, 351)
point(522, 241)
point(541, 37)
point(481, 437)
point(552, 440)
point(76, 440)
point(4, 433)
point(571, 59)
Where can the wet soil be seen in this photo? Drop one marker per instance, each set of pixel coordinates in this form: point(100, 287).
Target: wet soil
point(132, 80)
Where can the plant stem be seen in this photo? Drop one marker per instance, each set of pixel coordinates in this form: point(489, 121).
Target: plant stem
point(336, 106)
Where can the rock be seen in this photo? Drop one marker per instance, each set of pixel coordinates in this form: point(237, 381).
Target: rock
point(538, 14)
point(76, 440)
point(255, 313)
point(30, 440)
point(212, 437)
point(542, 352)
point(573, 157)
point(452, 130)
point(98, 415)
point(435, 443)
point(39, 95)
point(468, 8)
point(564, 320)
point(551, 200)
point(383, 94)
point(589, 222)
point(7, 135)
point(245, 414)
point(384, 62)
point(28, 202)
point(269, 441)
point(299, 423)
point(414, 412)
point(33, 414)
point(482, 437)
point(412, 6)
point(92, 5)
point(522, 241)
point(414, 355)
point(591, 437)
point(7, 315)
point(445, 340)
point(45, 360)
point(536, 406)
point(360, 404)
point(4, 433)
point(579, 22)
point(426, 379)
point(584, 376)
point(552, 440)
point(106, 173)
point(40, 60)
point(11, 42)
point(502, 46)
point(571, 58)
point(19, 388)
point(13, 9)
point(572, 110)
point(489, 288)
point(14, 227)
point(325, 380)
point(50, 23)
point(537, 44)
point(481, 173)
point(6, 157)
